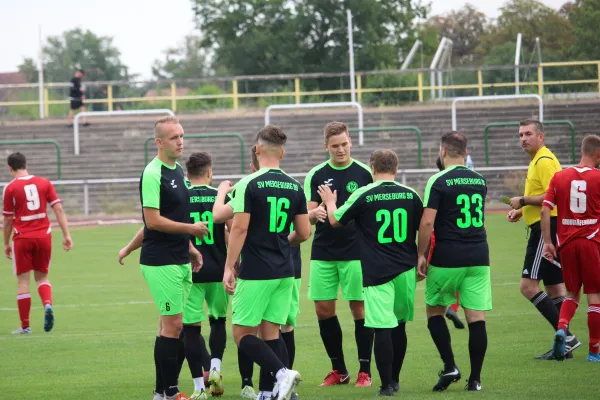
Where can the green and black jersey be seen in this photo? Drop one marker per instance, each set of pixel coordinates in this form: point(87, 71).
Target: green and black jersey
point(212, 247)
point(336, 244)
point(273, 199)
point(387, 216)
point(163, 187)
point(458, 194)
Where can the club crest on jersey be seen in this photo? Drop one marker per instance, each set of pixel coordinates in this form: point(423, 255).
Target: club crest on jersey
point(173, 185)
point(351, 186)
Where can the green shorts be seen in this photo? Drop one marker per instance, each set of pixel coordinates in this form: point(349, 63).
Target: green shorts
point(473, 285)
point(268, 300)
point(216, 299)
point(169, 285)
point(325, 276)
point(295, 306)
point(391, 302)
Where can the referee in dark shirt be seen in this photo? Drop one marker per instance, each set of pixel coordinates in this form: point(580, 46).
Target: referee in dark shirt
point(76, 96)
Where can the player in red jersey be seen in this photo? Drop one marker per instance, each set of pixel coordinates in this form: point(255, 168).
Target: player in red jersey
point(452, 311)
point(25, 203)
point(575, 192)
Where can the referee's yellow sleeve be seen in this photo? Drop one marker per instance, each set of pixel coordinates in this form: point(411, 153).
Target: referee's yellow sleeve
point(545, 169)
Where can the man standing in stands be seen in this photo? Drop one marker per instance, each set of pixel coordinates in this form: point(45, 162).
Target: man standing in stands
point(76, 95)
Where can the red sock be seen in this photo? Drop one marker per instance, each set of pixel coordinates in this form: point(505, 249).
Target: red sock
point(567, 311)
point(45, 291)
point(24, 305)
point(594, 327)
point(455, 305)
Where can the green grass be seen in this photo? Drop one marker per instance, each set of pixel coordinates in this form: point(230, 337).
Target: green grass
point(101, 347)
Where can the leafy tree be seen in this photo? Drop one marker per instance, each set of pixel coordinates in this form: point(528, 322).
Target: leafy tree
point(187, 60)
point(62, 54)
point(291, 36)
point(584, 16)
point(464, 27)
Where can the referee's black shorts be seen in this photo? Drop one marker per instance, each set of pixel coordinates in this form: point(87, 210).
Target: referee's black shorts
point(536, 267)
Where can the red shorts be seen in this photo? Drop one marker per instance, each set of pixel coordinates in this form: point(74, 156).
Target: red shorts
point(431, 247)
point(580, 260)
point(32, 254)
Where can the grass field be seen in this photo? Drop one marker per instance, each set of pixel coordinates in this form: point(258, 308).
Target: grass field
point(101, 346)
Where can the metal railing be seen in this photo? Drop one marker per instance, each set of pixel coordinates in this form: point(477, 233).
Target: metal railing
point(478, 88)
point(414, 177)
point(414, 129)
point(110, 114)
point(516, 124)
point(40, 141)
point(204, 136)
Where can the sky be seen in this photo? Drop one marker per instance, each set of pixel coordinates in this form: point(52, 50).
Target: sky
point(141, 29)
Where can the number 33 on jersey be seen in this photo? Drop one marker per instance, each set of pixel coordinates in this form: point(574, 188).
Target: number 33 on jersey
point(458, 194)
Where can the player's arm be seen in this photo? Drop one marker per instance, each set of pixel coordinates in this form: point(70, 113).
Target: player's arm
point(61, 217)
point(9, 212)
point(431, 203)
point(237, 237)
point(302, 230)
point(195, 257)
point(133, 245)
point(222, 211)
point(425, 229)
point(8, 227)
point(316, 210)
point(547, 206)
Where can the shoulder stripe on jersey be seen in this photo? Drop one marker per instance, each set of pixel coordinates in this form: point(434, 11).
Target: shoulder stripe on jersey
point(538, 160)
point(365, 166)
point(308, 179)
point(432, 180)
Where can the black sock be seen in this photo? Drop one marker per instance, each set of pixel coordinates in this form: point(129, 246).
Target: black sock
point(246, 367)
point(384, 355)
point(169, 364)
point(290, 344)
point(441, 337)
point(331, 334)
point(205, 355)
point(558, 301)
point(261, 353)
point(546, 307)
point(180, 353)
point(160, 388)
point(192, 340)
point(218, 337)
point(477, 348)
point(267, 380)
point(282, 352)
point(399, 342)
point(364, 342)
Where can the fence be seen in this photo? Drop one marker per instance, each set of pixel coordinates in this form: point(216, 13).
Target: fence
point(516, 124)
point(479, 81)
point(203, 136)
point(41, 141)
point(120, 197)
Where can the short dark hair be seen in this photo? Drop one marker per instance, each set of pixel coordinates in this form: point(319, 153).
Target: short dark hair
point(537, 124)
point(17, 161)
point(438, 163)
point(254, 157)
point(384, 161)
point(272, 135)
point(335, 128)
point(198, 164)
point(590, 145)
point(455, 144)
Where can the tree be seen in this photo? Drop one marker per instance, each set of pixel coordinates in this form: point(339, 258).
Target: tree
point(584, 16)
point(188, 60)
point(62, 54)
point(465, 28)
point(291, 36)
point(532, 19)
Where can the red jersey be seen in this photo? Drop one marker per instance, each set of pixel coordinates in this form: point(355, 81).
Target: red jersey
point(26, 199)
point(576, 193)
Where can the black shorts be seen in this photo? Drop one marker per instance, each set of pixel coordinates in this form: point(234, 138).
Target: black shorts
point(76, 104)
point(536, 267)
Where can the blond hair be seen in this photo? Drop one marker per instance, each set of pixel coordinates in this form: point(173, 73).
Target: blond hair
point(158, 125)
